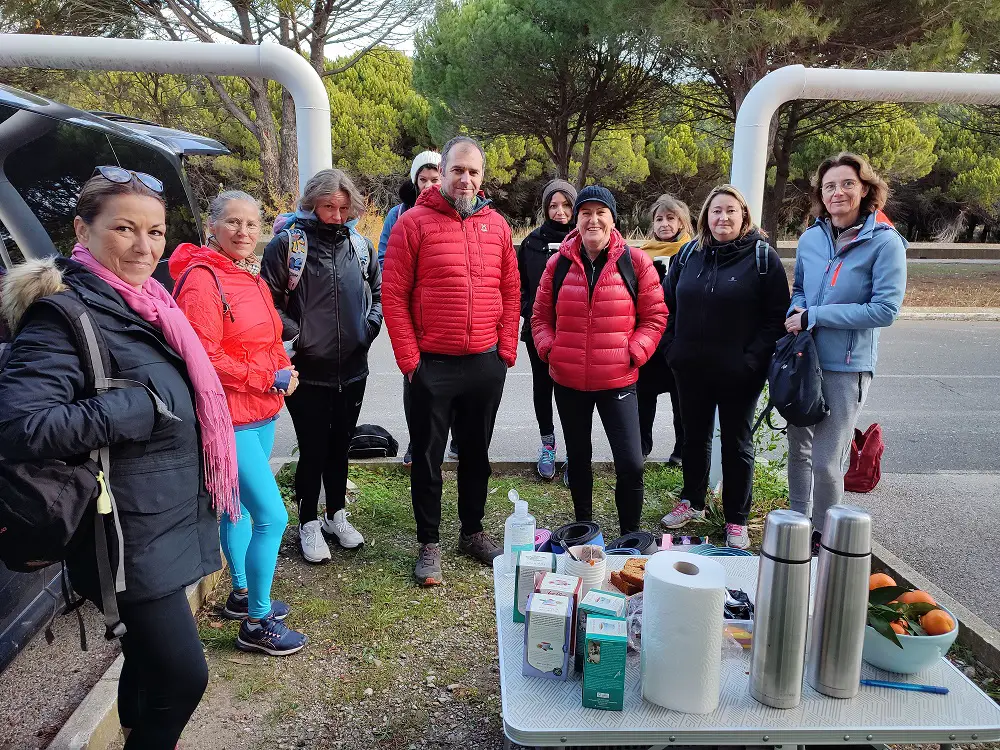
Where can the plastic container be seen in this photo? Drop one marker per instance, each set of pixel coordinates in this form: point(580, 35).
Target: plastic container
point(518, 532)
point(591, 566)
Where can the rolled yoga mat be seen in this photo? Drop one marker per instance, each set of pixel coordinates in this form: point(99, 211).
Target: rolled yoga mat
point(623, 551)
point(646, 543)
point(542, 537)
point(574, 534)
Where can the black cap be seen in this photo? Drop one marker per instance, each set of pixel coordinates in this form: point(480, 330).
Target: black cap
point(596, 194)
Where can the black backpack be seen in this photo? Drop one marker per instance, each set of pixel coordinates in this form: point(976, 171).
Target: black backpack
point(795, 382)
point(48, 507)
point(372, 441)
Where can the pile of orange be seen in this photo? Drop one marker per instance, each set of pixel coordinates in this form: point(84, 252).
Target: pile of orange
point(935, 622)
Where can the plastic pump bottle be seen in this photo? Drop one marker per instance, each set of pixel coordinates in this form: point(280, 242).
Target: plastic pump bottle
point(518, 532)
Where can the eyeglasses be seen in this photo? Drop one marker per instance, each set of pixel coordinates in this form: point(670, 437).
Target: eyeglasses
point(124, 176)
point(830, 188)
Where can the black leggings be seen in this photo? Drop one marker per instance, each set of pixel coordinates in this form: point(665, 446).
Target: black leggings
point(655, 378)
point(620, 417)
point(164, 675)
point(324, 419)
point(541, 390)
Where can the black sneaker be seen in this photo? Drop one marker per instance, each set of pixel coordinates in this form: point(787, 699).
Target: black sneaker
point(270, 636)
point(238, 607)
point(408, 456)
point(817, 538)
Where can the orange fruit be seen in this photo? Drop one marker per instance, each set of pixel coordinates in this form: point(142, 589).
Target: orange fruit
point(880, 580)
point(937, 622)
point(899, 626)
point(912, 597)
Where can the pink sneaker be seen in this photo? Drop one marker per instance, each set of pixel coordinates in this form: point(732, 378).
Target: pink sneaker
point(737, 536)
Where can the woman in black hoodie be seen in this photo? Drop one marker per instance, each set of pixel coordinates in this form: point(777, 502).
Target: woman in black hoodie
point(557, 205)
point(727, 296)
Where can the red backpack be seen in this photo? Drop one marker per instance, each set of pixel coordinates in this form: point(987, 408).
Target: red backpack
point(866, 460)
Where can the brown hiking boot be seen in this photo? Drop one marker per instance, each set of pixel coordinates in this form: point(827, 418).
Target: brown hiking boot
point(479, 546)
point(428, 568)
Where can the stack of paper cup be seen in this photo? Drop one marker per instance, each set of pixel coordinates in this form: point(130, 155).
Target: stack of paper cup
point(590, 565)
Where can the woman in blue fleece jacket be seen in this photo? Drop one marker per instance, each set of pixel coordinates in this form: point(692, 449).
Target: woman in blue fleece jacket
point(850, 276)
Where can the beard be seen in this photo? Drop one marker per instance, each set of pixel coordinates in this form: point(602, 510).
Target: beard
point(465, 205)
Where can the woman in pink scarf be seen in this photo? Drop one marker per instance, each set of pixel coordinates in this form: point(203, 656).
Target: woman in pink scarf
point(173, 462)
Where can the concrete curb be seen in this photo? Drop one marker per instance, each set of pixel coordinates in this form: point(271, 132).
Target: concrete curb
point(950, 313)
point(94, 725)
point(973, 633)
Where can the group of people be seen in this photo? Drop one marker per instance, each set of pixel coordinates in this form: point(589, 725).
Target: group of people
point(203, 373)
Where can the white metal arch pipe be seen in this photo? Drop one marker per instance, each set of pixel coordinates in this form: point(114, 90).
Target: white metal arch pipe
point(272, 61)
point(753, 121)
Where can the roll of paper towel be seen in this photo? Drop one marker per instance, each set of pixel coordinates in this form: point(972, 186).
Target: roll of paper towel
point(682, 608)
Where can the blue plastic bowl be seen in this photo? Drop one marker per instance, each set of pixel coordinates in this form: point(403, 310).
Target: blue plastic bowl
point(917, 654)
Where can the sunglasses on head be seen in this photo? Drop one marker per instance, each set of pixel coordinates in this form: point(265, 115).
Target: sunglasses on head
point(124, 176)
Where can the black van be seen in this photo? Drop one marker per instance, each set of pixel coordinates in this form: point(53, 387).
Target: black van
point(47, 151)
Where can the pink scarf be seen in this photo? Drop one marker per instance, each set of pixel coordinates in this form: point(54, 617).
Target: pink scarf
point(155, 305)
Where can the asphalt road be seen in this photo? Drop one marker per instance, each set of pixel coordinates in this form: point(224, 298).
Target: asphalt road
point(937, 396)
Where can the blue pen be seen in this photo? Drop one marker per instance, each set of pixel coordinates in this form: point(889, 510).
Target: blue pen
point(906, 686)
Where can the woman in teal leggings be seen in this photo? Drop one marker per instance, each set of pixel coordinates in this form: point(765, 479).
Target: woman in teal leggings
point(230, 308)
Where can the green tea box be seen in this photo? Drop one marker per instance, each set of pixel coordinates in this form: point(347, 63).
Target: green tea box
point(602, 604)
point(604, 664)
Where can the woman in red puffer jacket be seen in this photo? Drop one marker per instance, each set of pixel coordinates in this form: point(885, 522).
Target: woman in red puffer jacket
point(595, 333)
point(230, 307)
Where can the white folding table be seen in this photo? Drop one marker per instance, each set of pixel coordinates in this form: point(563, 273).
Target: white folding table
point(548, 713)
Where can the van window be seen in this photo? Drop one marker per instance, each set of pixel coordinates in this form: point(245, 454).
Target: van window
point(47, 160)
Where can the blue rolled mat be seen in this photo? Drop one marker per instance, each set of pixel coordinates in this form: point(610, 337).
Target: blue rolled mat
point(623, 551)
point(575, 534)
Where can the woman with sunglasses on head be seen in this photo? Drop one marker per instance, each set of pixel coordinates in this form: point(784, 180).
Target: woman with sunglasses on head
point(230, 308)
point(172, 453)
point(727, 297)
point(850, 277)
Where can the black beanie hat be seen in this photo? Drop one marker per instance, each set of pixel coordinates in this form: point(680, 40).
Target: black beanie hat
point(596, 194)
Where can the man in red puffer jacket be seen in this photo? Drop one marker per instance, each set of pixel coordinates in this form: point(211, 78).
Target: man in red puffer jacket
point(595, 338)
point(451, 299)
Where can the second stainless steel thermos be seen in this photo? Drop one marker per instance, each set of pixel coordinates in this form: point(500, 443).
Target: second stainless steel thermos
point(777, 656)
point(841, 607)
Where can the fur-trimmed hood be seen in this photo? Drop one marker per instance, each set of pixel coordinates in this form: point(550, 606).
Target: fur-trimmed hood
point(26, 283)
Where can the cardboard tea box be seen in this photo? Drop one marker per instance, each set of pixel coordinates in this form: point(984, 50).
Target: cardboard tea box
point(605, 646)
point(601, 604)
point(547, 633)
point(557, 583)
point(529, 563)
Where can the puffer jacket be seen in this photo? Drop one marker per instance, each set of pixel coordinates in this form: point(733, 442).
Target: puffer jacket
point(244, 345)
point(331, 311)
point(171, 536)
point(451, 284)
point(598, 342)
point(532, 256)
point(852, 293)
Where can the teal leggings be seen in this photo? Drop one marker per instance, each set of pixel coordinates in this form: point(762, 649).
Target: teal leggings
point(251, 544)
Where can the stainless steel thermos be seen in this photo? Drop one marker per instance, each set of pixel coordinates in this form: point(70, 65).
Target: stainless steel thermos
point(841, 607)
point(777, 655)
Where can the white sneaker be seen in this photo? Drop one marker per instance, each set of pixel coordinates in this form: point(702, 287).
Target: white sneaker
point(340, 529)
point(737, 536)
point(682, 514)
point(314, 547)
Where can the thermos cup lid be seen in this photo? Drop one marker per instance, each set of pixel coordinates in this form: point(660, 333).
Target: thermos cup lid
point(787, 536)
point(848, 530)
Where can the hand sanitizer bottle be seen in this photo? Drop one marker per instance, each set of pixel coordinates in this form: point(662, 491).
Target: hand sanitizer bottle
point(518, 532)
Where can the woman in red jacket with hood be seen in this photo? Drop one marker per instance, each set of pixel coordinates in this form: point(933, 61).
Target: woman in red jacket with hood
point(230, 308)
point(595, 330)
